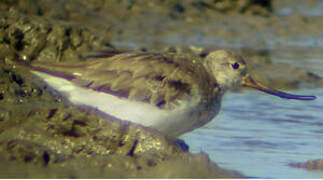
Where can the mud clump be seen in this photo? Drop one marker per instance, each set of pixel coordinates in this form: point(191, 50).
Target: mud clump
point(310, 165)
point(67, 10)
point(34, 38)
point(43, 136)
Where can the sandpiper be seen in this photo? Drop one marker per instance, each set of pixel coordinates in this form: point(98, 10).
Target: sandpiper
point(169, 92)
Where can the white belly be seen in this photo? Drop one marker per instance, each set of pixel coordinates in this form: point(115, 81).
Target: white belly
point(171, 122)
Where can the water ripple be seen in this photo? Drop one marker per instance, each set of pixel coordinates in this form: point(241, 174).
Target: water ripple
point(269, 131)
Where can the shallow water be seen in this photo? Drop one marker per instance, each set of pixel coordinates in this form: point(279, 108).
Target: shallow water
point(259, 135)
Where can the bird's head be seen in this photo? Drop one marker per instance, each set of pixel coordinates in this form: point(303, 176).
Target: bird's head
point(230, 72)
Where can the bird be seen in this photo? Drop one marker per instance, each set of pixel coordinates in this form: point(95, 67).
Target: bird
point(167, 91)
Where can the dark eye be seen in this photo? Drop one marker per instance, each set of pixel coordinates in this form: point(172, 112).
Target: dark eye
point(235, 65)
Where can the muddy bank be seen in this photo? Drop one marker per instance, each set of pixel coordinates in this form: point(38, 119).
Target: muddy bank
point(310, 165)
point(163, 25)
point(42, 136)
point(158, 24)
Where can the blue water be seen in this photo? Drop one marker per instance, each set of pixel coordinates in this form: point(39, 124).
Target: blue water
point(259, 135)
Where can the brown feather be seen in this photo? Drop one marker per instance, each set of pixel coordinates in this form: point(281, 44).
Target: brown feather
point(160, 79)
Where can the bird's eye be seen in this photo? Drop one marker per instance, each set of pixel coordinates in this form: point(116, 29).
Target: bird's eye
point(235, 65)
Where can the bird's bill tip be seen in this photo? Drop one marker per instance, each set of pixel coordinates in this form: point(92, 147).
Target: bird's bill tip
point(249, 82)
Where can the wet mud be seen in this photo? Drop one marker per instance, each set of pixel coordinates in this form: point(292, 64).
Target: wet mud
point(310, 165)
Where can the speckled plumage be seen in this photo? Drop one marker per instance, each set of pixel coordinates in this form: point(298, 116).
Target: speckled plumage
point(155, 78)
point(181, 87)
point(172, 93)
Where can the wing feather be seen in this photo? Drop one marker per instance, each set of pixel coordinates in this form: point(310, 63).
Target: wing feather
point(150, 77)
